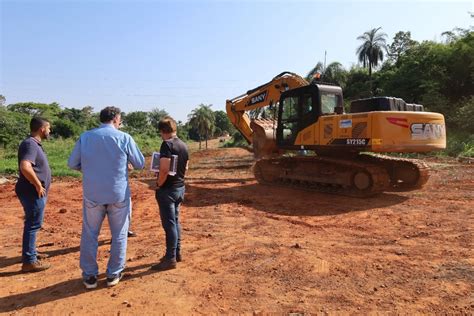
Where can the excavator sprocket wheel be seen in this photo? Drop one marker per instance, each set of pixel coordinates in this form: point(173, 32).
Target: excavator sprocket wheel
point(405, 174)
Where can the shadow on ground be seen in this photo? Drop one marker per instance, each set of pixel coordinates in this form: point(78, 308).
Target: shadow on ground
point(283, 201)
point(62, 290)
point(6, 262)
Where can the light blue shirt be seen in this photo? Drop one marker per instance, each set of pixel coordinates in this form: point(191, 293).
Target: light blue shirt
point(102, 155)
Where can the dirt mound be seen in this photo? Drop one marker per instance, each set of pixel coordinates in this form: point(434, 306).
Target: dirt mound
point(250, 248)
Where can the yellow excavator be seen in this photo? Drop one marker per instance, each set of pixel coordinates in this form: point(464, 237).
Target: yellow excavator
point(301, 137)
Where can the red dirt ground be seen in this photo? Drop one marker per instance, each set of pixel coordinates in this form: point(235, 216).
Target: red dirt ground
point(250, 248)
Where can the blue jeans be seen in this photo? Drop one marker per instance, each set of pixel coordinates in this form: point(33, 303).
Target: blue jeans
point(169, 200)
point(34, 214)
point(118, 215)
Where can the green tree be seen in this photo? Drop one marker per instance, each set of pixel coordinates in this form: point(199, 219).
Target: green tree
point(137, 122)
point(14, 127)
point(202, 119)
point(65, 128)
point(460, 68)
point(223, 123)
point(335, 73)
point(183, 130)
point(420, 74)
point(155, 116)
point(371, 51)
point(48, 111)
point(2, 100)
point(401, 43)
point(318, 68)
point(357, 84)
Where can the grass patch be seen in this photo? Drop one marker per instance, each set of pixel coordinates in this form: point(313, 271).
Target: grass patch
point(148, 144)
point(58, 151)
point(237, 140)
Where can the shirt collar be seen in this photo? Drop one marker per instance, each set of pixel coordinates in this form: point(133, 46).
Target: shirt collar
point(107, 125)
point(36, 141)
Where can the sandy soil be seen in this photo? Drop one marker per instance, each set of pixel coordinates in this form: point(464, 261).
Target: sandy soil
point(250, 248)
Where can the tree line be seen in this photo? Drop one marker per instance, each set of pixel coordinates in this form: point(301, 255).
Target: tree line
point(203, 123)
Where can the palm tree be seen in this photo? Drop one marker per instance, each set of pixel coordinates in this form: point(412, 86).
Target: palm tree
point(371, 52)
point(335, 73)
point(202, 119)
point(318, 68)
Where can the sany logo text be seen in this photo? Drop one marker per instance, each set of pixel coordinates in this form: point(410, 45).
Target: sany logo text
point(258, 98)
point(427, 131)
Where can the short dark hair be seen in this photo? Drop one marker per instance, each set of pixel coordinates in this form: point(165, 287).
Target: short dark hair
point(36, 123)
point(167, 125)
point(109, 113)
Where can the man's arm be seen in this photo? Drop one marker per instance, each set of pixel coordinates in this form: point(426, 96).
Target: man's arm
point(164, 169)
point(27, 170)
point(74, 161)
point(135, 156)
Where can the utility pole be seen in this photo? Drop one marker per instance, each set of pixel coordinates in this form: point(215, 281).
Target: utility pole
point(324, 69)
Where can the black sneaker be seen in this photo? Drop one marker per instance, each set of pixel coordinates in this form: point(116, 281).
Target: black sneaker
point(90, 282)
point(114, 281)
point(165, 264)
point(131, 234)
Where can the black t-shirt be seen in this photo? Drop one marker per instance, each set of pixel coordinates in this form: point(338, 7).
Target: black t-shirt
point(30, 149)
point(175, 146)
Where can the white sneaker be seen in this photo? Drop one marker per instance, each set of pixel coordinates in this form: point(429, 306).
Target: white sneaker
point(90, 282)
point(114, 281)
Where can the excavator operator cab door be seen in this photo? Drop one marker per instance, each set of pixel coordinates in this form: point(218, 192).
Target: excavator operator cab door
point(298, 108)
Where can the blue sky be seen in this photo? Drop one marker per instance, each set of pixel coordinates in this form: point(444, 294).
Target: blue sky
point(174, 55)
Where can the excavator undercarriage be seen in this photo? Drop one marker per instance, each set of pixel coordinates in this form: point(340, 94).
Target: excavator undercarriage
point(365, 175)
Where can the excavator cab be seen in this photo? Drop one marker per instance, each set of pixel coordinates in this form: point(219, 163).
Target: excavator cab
point(301, 107)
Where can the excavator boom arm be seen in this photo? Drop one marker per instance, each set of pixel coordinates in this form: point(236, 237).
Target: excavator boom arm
point(261, 96)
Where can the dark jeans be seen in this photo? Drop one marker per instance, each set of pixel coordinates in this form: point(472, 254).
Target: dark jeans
point(34, 214)
point(169, 200)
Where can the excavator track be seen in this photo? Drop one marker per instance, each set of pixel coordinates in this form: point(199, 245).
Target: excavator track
point(324, 174)
point(405, 174)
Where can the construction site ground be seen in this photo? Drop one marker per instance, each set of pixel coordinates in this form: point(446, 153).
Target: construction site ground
point(254, 249)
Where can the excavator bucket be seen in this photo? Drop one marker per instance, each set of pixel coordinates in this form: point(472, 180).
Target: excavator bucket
point(264, 138)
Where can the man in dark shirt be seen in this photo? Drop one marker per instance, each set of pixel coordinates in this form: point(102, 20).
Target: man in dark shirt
point(32, 190)
point(170, 190)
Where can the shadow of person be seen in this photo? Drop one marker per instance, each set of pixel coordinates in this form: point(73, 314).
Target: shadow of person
point(6, 262)
point(151, 182)
point(283, 200)
point(65, 289)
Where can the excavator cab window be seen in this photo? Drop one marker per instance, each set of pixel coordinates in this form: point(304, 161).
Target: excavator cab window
point(307, 104)
point(328, 103)
point(331, 99)
point(289, 117)
point(298, 109)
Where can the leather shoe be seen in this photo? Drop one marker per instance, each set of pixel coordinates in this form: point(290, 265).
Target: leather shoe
point(36, 266)
point(41, 256)
point(165, 264)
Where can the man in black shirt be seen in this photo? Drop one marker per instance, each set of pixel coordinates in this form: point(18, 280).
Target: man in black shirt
point(32, 190)
point(170, 190)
